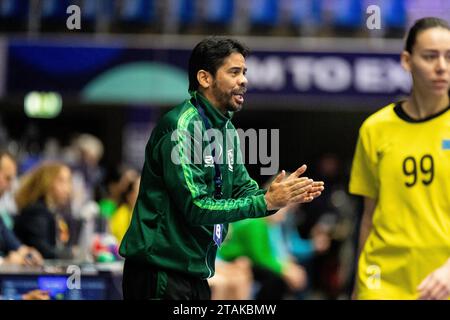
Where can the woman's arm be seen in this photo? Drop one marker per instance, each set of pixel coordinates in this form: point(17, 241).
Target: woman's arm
point(366, 222)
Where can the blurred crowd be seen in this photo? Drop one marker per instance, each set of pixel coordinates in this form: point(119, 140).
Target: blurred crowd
point(63, 204)
point(254, 17)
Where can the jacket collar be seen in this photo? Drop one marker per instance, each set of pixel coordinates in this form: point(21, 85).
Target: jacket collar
point(216, 118)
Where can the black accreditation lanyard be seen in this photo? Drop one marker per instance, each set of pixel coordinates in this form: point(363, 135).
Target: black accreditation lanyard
point(218, 228)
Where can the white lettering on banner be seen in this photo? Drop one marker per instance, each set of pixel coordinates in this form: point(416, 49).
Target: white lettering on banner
point(369, 75)
point(397, 77)
point(328, 73)
point(301, 72)
point(332, 74)
point(266, 74)
point(380, 75)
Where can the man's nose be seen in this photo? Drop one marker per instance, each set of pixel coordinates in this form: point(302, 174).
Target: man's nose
point(243, 80)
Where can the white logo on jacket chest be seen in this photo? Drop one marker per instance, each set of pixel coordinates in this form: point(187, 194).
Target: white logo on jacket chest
point(230, 158)
point(209, 161)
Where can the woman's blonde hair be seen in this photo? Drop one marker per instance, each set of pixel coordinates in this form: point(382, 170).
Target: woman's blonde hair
point(36, 184)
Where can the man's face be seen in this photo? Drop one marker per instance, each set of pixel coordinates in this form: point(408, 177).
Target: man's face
point(8, 172)
point(230, 84)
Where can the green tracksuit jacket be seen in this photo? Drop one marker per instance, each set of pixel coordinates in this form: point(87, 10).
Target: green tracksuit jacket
point(174, 216)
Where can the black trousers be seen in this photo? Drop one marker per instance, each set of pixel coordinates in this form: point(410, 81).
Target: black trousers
point(146, 282)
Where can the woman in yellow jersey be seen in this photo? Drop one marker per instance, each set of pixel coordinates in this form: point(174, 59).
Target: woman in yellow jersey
point(402, 169)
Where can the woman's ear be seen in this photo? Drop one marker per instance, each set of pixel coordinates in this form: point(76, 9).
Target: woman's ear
point(405, 59)
point(204, 79)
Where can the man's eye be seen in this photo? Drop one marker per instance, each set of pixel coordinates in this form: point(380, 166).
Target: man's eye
point(429, 57)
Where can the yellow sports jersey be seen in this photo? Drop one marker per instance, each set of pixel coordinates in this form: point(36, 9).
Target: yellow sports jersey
point(405, 165)
point(120, 221)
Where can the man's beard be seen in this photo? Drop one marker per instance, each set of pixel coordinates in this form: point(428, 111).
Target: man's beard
point(225, 99)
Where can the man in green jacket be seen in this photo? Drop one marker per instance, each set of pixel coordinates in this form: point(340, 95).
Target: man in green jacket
point(185, 203)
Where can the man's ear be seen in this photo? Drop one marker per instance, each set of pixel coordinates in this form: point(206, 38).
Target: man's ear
point(204, 78)
point(405, 59)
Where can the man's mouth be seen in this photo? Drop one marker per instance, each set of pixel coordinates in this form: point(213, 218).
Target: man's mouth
point(239, 98)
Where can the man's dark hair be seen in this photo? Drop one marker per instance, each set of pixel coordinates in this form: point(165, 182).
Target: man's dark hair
point(210, 54)
point(422, 25)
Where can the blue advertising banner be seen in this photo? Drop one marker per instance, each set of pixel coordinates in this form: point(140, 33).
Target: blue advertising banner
point(119, 74)
point(293, 73)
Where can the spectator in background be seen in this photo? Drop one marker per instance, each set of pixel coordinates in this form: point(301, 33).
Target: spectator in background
point(331, 214)
point(121, 218)
point(8, 173)
point(12, 251)
point(110, 192)
point(303, 249)
point(262, 241)
point(277, 253)
point(96, 214)
point(43, 193)
point(329, 169)
point(29, 144)
point(233, 280)
point(90, 153)
point(87, 151)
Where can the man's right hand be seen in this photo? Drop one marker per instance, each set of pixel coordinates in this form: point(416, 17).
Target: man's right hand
point(291, 190)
